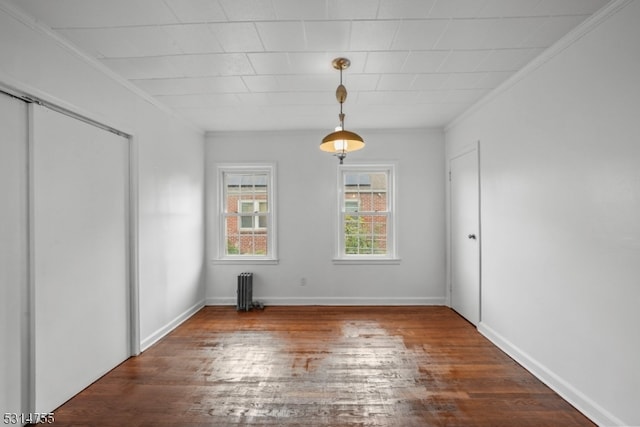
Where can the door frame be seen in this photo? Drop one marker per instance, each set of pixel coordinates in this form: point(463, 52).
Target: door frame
point(461, 151)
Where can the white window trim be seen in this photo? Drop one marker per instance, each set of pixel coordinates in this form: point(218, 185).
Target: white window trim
point(392, 241)
point(221, 256)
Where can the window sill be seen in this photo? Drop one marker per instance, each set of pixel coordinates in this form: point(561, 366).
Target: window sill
point(366, 261)
point(245, 261)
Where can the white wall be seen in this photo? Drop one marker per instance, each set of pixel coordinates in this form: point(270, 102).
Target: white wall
point(560, 172)
point(306, 207)
point(169, 160)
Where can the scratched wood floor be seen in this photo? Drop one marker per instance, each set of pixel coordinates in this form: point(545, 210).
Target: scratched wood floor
point(321, 366)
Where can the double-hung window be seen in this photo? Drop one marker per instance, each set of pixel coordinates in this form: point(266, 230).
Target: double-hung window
point(366, 213)
point(246, 212)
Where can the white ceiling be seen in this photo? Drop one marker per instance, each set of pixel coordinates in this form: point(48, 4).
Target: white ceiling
point(266, 64)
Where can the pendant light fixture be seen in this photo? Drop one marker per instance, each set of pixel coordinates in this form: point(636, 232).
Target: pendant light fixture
point(341, 141)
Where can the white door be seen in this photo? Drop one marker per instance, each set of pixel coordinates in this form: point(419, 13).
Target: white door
point(80, 255)
point(465, 235)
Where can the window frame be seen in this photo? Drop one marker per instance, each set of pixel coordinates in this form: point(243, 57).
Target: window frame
point(340, 252)
point(271, 255)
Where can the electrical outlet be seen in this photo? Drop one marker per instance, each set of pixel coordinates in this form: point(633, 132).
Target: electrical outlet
point(303, 281)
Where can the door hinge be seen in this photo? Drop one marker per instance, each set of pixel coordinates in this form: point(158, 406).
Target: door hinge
point(449, 175)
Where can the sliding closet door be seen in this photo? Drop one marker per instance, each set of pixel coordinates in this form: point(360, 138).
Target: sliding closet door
point(13, 254)
point(80, 257)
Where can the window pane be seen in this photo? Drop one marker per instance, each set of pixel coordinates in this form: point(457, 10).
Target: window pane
point(365, 234)
point(246, 221)
point(378, 182)
point(351, 206)
point(232, 237)
point(246, 207)
point(253, 244)
point(368, 190)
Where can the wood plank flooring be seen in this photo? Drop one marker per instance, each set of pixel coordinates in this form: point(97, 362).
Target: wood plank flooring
point(321, 366)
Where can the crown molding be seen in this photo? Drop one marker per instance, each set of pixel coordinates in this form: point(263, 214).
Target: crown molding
point(565, 42)
point(39, 27)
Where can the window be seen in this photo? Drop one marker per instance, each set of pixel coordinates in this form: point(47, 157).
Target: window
point(247, 213)
point(366, 213)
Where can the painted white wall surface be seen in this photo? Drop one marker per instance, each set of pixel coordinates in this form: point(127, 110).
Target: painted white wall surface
point(560, 182)
point(13, 252)
point(168, 154)
point(307, 199)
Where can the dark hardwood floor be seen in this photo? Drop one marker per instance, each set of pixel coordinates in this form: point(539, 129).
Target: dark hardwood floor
point(321, 366)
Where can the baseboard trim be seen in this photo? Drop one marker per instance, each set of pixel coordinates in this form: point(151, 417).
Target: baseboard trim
point(579, 400)
point(177, 321)
point(333, 301)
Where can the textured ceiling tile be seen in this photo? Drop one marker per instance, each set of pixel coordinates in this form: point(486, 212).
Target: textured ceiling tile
point(372, 35)
point(193, 38)
point(248, 10)
point(300, 98)
point(388, 98)
point(490, 33)
point(433, 96)
point(396, 82)
point(198, 100)
point(456, 8)
point(405, 9)
point(144, 68)
point(419, 35)
point(508, 8)
point(465, 34)
point(358, 82)
point(327, 35)
point(237, 36)
point(352, 9)
point(269, 63)
point(429, 81)
point(191, 86)
point(424, 62)
point(463, 81)
point(385, 62)
point(261, 83)
point(463, 60)
point(309, 83)
point(282, 36)
point(190, 11)
point(254, 99)
point(300, 9)
point(218, 64)
point(146, 41)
